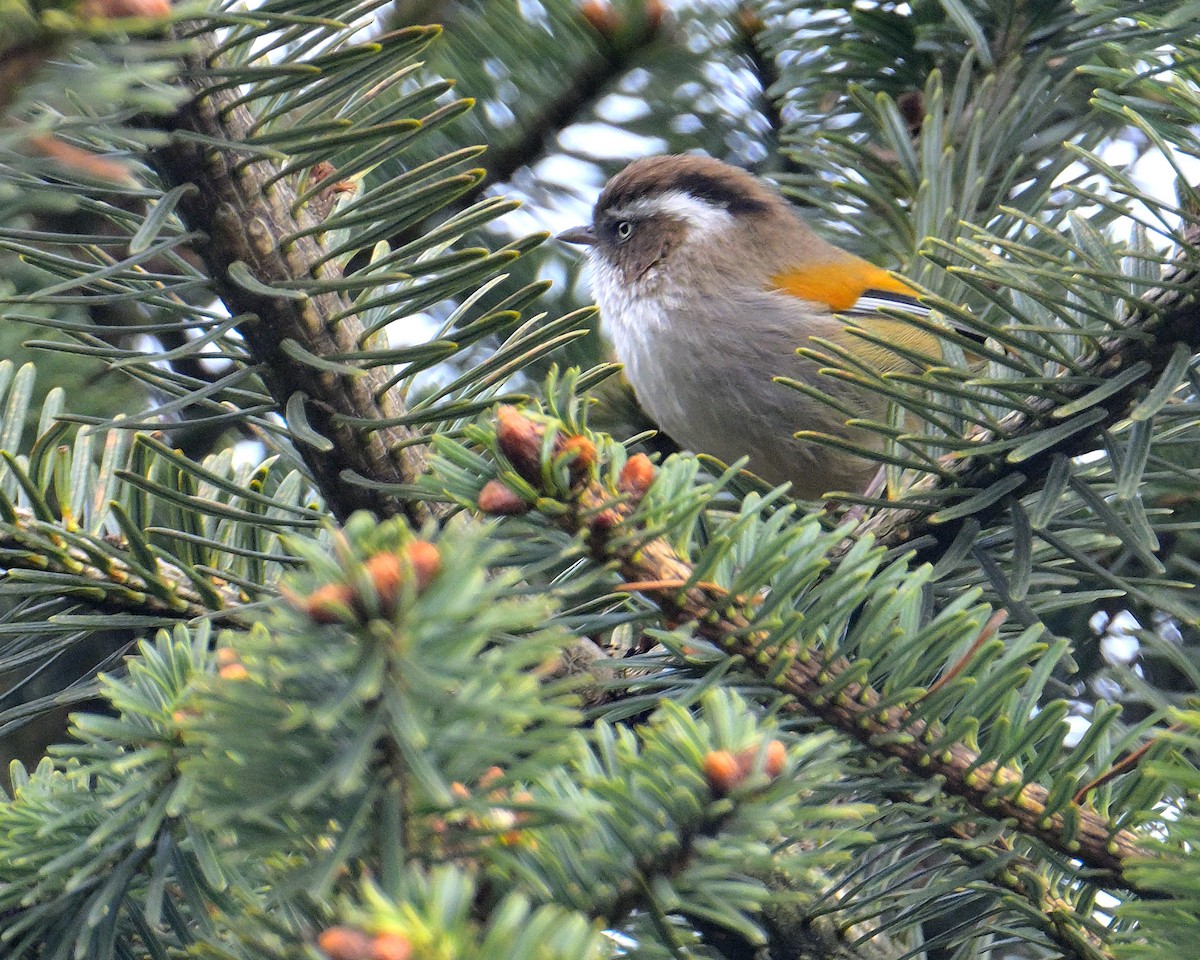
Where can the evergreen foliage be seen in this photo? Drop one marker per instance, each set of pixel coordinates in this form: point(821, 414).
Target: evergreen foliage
point(387, 636)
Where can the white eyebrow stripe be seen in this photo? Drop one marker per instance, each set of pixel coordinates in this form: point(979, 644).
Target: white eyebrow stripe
point(701, 214)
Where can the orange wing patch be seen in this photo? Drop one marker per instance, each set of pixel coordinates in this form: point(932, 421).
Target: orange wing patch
point(838, 283)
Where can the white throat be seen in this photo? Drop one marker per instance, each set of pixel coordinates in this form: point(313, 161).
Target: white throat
point(634, 316)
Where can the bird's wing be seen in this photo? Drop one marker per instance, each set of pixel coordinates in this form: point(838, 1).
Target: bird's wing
point(855, 289)
point(841, 283)
point(872, 301)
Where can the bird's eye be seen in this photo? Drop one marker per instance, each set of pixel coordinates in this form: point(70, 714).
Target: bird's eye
point(624, 230)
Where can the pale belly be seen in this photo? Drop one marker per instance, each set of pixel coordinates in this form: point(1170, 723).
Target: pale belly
point(717, 397)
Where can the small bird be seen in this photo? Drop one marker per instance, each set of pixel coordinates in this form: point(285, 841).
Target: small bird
point(708, 281)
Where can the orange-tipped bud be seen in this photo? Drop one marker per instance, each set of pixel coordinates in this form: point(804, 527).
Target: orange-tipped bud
point(345, 943)
point(114, 9)
point(520, 440)
point(654, 11)
point(391, 946)
point(386, 571)
point(636, 476)
point(749, 20)
point(584, 455)
point(723, 772)
point(776, 759)
point(76, 158)
point(226, 656)
point(332, 603)
point(601, 15)
point(490, 776)
point(233, 671)
point(426, 562)
point(499, 499)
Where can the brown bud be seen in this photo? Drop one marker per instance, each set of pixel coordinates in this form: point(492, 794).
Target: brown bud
point(345, 943)
point(776, 759)
point(636, 476)
point(331, 603)
point(583, 452)
point(391, 946)
point(386, 571)
point(113, 9)
point(654, 10)
point(498, 498)
point(425, 560)
point(323, 174)
point(490, 776)
point(722, 771)
point(748, 20)
point(76, 158)
point(604, 522)
point(520, 440)
point(601, 15)
point(911, 105)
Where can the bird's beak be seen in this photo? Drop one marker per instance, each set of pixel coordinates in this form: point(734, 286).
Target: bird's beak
point(585, 236)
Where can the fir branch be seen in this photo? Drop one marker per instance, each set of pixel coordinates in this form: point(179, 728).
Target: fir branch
point(603, 516)
point(616, 54)
point(1171, 315)
point(245, 212)
point(26, 543)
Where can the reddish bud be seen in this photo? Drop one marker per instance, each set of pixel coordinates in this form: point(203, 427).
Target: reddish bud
point(331, 603)
point(636, 476)
point(604, 522)
point(749, 20)
point(520, 440)
point(345, 943)
point(391, 946)
point(497, 498)
point(654, 10)
point(425, 560)
point(113, 9)
point(76, 158)
point(490, 776)
point(601, 15)
point(583, 452)
point(776, 759)
point(722, 771)
point(386, 571)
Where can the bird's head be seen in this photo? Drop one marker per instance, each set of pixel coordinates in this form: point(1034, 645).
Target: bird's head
point(688, 219)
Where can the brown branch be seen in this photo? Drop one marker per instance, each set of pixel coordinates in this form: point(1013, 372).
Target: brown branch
point(856, 709)
point(246, 221)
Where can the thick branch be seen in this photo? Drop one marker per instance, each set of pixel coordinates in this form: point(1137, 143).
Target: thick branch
point(246, 221)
